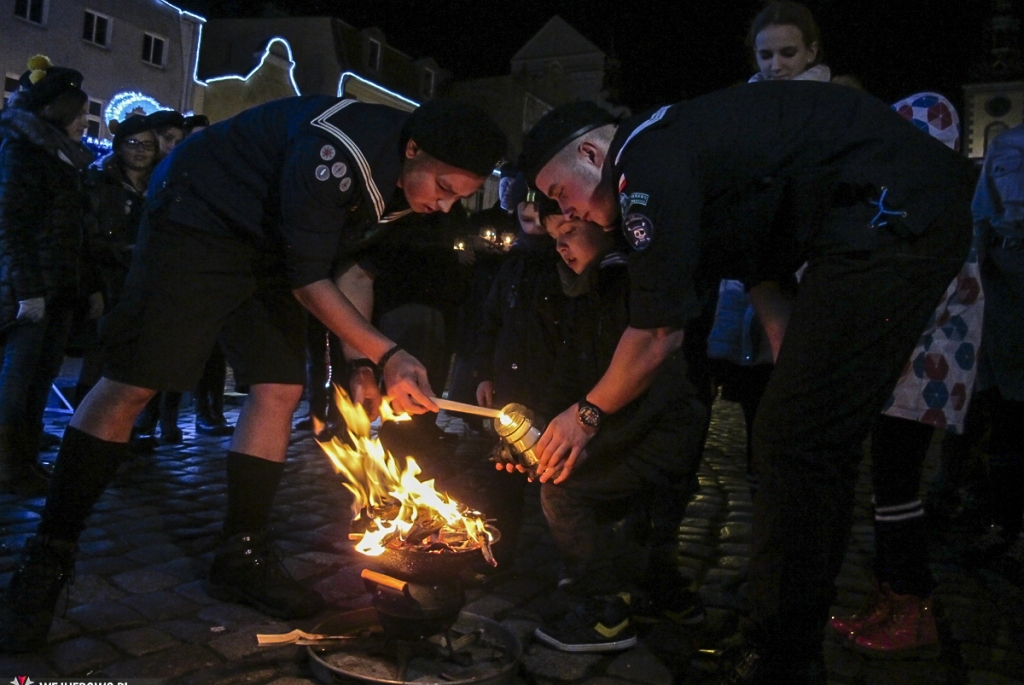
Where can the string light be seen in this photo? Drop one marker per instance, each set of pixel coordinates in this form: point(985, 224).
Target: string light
point(266, 54)
point(123, 104)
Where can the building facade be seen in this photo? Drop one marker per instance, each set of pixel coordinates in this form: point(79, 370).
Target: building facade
point(133, 53)
point(248, 61)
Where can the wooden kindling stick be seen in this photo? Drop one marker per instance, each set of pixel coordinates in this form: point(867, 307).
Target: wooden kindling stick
point(464, 408)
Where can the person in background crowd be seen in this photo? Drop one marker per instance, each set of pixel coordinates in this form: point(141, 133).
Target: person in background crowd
point(41, 203)
point(648, 452)
point(711, 188)
point(239, 249)
point(786, 44)
point(209, 392)
point(898, 617)
point(479, 262)
point(194, 123)
point(116, 188)
point(999, 215)
point(169, 128)
point(520, 335)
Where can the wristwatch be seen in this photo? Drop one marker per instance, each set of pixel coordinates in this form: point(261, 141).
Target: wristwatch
point(589, 415)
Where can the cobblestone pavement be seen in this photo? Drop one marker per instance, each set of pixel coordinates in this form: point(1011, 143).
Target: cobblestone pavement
point(137, 607)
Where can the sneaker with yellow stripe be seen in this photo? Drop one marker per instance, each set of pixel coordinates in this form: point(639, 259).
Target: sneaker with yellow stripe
point(599, 624)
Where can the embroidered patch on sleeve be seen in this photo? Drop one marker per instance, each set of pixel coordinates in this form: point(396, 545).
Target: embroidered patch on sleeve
point(327, 153)
point(638, 231)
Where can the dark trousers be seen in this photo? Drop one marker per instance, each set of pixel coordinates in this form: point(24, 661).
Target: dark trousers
point(32, 355)
point(1006, 464)
point(855, 321)
point(582, 517)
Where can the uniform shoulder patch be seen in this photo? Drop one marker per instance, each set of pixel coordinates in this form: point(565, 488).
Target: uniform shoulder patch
point(327, 153)
point(629, 200)
point(638, 230)
point(323, 173)
point(345, 184)
point(339, 169)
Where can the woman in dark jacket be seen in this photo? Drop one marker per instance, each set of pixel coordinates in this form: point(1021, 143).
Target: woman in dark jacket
point(41, 208)
point(116, 191)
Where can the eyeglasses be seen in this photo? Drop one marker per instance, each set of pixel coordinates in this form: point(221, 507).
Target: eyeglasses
point(133, 144)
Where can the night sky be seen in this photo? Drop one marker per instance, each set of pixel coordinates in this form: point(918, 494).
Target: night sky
point(672, 50)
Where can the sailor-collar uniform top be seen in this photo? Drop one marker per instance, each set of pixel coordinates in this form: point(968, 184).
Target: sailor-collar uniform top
point(313, 177)
point(750, 182)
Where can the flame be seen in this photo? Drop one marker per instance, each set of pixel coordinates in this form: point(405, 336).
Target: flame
point(378, 481)
point(505, 419)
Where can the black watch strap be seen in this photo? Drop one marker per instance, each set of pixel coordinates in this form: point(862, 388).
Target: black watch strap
point(589, 415)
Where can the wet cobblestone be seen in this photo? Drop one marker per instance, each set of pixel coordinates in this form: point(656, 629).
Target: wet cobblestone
point(138, 607)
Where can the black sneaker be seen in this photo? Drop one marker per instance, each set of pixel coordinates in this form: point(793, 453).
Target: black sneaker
point(678, 605)
point(31, 598)
point(600, 624)
point(248, 570)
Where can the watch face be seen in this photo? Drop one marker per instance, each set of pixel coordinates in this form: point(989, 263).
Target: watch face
point(589, 416)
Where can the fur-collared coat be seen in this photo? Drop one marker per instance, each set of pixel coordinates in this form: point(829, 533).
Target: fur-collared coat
point(41, 209)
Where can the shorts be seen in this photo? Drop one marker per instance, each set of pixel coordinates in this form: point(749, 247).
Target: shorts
point(186, 289)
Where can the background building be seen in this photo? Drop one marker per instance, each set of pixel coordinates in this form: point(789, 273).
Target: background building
point(248, 61)
point(145, 47)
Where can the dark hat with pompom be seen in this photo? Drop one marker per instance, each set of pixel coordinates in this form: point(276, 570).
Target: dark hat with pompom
point(43, 83)
point(458, 134)
point(555, 130)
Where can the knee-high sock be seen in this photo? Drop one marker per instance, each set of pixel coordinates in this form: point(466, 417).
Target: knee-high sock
point(252, 484)
point(85, 466)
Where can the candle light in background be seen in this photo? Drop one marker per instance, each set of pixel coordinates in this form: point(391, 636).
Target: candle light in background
point(460, 244)
point(488, 234)
point(506, 240)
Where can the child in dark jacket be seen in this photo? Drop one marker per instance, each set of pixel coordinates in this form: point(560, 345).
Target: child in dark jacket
point(647, 453)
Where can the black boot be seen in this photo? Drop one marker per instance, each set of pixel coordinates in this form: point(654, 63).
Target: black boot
point(31, 598)
point(248, 570)
point(170, 434)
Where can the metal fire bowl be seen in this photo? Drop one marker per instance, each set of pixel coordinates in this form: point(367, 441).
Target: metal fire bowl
point(354, 663)
point(422, 567)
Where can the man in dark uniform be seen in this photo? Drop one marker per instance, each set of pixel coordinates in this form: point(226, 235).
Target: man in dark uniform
point(750, 183)
point(247, 222)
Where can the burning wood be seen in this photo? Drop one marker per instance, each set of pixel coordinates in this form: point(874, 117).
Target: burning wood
point(397, 510)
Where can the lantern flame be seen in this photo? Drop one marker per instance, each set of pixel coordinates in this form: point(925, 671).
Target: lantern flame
point(392, 497)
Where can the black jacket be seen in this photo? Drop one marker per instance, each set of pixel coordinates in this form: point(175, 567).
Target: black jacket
point(111, 226)
point(520, 331)
point(41, 209)
point(663, 429)
point(313, 178)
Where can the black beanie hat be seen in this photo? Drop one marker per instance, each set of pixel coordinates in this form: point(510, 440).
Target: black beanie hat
point(43, 83)
point(135, 123)
point(458, 134)
point(163, 118)
point(196, 120)
point(555, 130)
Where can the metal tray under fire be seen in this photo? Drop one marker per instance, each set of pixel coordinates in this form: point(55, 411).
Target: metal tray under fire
point(488, 654)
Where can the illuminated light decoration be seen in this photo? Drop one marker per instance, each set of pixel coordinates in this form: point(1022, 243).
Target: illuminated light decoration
point(266, 54)
point(124, 103)
point(199, 36)
point(99, 143)
point(348, 74)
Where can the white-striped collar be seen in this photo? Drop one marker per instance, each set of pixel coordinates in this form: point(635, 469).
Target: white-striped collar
point(357, 155)
point(655, 118)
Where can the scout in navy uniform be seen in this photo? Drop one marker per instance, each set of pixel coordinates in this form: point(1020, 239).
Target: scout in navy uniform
point(750, 183)
point(247, 221)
